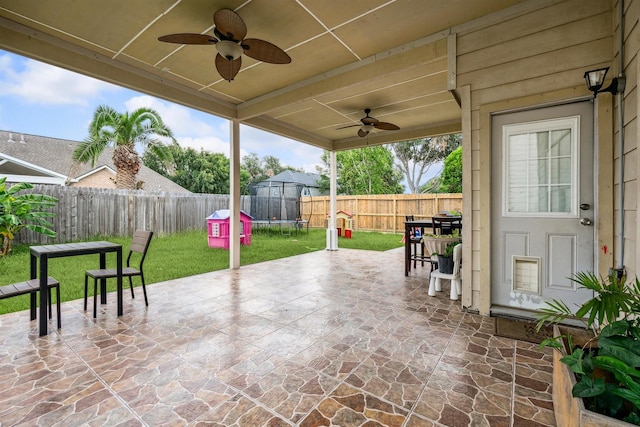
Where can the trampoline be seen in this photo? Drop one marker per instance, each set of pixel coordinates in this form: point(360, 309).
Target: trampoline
point(276, 206)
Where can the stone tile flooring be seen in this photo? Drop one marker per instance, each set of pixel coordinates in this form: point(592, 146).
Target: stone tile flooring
point(323, 339)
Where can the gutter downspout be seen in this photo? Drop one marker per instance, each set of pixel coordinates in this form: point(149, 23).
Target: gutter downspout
point(620, 101)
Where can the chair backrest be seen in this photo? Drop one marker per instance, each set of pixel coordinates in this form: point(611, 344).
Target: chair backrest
point(140, 244)
point(445, 225)
point(413, 229)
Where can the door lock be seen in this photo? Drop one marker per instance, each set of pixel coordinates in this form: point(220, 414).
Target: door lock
point(585, 206)
point(585, 221)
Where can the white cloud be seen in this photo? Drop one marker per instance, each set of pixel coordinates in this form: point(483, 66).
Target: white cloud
point(181, 120)
point(199, 130)
point(34, 82)
point(30, 88)
point(191, 128)
point(290, 152)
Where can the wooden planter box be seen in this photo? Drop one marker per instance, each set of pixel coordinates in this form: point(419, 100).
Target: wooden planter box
point(569, 410)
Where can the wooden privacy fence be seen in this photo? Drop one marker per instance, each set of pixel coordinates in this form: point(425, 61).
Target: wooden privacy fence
point(83, 213)
point(381, 212)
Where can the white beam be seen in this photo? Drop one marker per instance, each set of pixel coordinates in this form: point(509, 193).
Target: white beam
point(234, 195)
point(332, 231)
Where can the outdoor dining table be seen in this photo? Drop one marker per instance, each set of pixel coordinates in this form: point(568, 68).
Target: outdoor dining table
point(425, 225)
point(45, 252)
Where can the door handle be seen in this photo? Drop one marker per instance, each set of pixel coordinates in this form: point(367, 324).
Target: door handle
point(585, 221)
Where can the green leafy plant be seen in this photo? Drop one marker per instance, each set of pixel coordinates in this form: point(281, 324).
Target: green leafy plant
point(454, 235)
point(448, 251)
point(20, 211)
point(607, 367)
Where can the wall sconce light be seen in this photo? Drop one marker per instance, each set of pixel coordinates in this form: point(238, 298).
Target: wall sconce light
point(595, 80)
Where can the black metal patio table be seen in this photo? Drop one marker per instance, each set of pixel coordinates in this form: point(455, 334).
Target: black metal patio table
point(422, 224)
point(44, 252)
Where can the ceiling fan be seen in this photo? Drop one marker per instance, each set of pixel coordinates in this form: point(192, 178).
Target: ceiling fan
point(369, 123)
point(230, 31)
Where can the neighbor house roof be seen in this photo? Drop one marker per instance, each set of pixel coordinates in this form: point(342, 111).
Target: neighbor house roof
point(44, 160)
point(307, 179)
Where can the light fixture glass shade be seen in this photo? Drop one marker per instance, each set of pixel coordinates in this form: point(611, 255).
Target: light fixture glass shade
point(367, 128)
point(595, 78)
point(229, 50)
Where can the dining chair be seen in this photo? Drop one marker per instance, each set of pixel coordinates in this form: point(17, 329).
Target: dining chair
point(418, 247)
point(446, 225)
point(32, 287)
point(139, 245)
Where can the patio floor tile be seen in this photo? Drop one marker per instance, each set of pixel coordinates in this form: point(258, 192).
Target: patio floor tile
point(330, 338)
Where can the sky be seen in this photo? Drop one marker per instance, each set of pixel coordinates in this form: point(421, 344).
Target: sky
point(40, 99)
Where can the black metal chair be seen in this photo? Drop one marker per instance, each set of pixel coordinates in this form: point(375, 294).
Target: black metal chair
point(418, 247)
point(32, 287)
point(139, 244)
point(445, 225)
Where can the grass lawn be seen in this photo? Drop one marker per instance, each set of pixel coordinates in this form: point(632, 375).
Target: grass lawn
point(177, 255)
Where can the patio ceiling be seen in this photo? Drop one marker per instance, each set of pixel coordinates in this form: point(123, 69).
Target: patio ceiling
point(394, 57)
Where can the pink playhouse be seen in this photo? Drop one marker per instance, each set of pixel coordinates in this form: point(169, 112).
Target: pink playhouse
point(218, 226)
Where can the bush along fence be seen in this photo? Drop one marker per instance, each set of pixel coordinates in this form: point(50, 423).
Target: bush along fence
point(82, 213)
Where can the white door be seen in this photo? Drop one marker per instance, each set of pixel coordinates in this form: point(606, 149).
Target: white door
point(542, 209)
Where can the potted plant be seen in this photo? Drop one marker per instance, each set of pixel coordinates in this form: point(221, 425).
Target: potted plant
point(445, 258)
point(605, 368)
point(441, 246)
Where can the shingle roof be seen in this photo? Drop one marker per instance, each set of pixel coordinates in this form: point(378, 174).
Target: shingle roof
point(306, 178)
point(55, 155)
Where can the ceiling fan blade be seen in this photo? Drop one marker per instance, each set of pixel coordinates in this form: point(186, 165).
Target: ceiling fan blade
point(369, 120)
point(230, 25)
point(188, 38)
point(348, 126)
point(385, 126)
point(362, 133)
point(228, 69)
point(264, 51)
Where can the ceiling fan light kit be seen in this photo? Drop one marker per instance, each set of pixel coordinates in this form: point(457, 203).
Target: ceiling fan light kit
point(230, 31)
point(367, 128)
point(229, 50)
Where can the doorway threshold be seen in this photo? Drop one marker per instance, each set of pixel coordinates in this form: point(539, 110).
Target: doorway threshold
point(527, 315)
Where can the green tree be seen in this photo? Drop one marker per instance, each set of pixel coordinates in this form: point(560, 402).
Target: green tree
point(415, 157)
point(367, 170)
point(432, 186)
point(124, 132)
point(20, 211)
point(262, 169)
point(197, 171)
point(451, 178)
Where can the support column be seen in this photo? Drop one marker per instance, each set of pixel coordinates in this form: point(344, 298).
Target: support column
point(234, 195)
point(332, 232)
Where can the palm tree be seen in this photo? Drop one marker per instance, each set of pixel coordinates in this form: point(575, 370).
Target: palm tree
point(124, 131)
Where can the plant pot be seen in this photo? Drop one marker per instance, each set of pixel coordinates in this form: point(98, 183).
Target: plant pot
point(570, 411)
point(445, 264)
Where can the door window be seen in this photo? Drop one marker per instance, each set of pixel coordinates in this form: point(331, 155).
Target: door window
point(540, 168)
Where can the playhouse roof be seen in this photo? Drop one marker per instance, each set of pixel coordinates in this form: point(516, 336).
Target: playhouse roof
point(225, 214)
point(349, 214)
